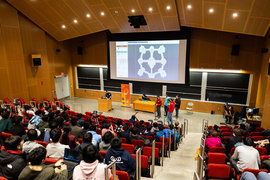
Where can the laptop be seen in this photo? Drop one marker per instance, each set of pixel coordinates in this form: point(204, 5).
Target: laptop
point(71, 155)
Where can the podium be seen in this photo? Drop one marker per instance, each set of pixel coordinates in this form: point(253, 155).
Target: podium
point(104, 105)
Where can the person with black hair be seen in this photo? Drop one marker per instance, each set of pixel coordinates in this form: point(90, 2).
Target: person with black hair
point(75, 130)
point(65, 116)
point(135, 134)
point(29, 145)
point(5, 122)
point(177, 105)
point(35, 120)
point(81, 121)
point(48, 110)
point(104, 123)
point(243, 129)
point(44, 123)
point(1, 112)
point(147, 132)
point(247, 155)
point(125, 133)
point(84, 129)
point(38, 170)
point(141, 126)
point(67, 138)
point(51, 116)
point(155, 127)
point(118, 126)
point(52, 125)
point(17, 128)
point(89, 167)
point(56, 150)
point(105, 144)
point(163, 131)
point(96, 137)
point(29, 110)
point(158, 104)
point(124, 160)
point(132, 119)
point(109, 127)
point(12, 160)
point(232, 141)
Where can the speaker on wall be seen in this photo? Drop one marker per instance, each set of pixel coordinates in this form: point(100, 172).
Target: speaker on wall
point(80, 50)
point(57, 50)
point(36, 60)
point(235, 49)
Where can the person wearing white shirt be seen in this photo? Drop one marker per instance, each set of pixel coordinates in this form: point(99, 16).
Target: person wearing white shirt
point(56, 150)
point(247, 156)
point(30, 110)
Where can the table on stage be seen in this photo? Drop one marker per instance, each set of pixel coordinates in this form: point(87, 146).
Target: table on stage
point(255, 120)
point(104, 105)
point(149, 106)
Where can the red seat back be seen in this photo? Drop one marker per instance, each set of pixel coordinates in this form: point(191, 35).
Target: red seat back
point(44, 144)
point(259, 129)
point(257, 138)
point(262, 151)
point(149, 137)
point(144, 160)
point(128, 147)
point(255, 134)
point(49, 161)
point(6, 135)
point(148, 152)
point(103, 153)
point(255, 171)
point(124, 140)
point(216, 158)
point(226, 134)
point(137, 142)
point(218, 171)
point(232, 150)
point(122, 175)
point(159, 145)
point(80, 140)
point(3, 178)
point(217, 149)
point(225, 130)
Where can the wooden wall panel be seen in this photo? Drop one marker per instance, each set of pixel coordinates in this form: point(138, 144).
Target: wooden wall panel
point(8, 15)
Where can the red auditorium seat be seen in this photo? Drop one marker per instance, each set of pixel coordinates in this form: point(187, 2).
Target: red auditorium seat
point(122, 175)
point(136, 142)
point(259, 129)
point(6, 135)
point(254, 171)
point(223, 126)
point(218, 171)
point(80, 140)
point(103, 153)
point(88, 113)
point(149, 137)
point(145, 165)
point(217, 149)
point(216, 158)
point(42, 143)
point(255, 134)
point(257, 138)
point(159, 146)
point(262, 150)
point(3, 178)
point(148, 152)
point(226, 134)
point(263, 158)
point(128, 147)
point(225, 130)
point(98, 131)
point(124, 140)
point(49, 161)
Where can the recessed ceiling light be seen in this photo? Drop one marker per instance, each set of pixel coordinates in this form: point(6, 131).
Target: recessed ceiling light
point(87, 15)
point(234, 14)
point(63, 26)
point(102, 13)
point(189, 6)
point(211, 10)
point(75, 21)
point(168, 7)
point(150, 9)
point(116, 12)
point(132, 10)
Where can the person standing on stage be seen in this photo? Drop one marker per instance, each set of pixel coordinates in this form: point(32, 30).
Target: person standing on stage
point(108, 95)
point(166, 104)
point(177, 105)
point(158, 104)
point(170, 111)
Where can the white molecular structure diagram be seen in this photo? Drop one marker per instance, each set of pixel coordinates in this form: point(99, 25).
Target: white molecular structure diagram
point(152, 61)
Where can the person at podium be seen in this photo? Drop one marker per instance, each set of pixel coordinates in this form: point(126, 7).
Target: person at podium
point(108, 95)
point(144, 97)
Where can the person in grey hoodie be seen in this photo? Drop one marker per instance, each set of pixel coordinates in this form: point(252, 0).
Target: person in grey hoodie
point(87, 140)
point(105, 144)
point(30, 144)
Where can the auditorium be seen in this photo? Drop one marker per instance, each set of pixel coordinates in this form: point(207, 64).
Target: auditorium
point(134, 89)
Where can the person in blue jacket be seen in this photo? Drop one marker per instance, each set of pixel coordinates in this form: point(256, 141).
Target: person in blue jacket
point(108, 95)
point(124, 160)
point(163, 131)
point(96, 137)
point(166, 104)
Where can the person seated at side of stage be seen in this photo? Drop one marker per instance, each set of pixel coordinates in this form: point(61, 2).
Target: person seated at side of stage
point(144, 97)
point(108, 95)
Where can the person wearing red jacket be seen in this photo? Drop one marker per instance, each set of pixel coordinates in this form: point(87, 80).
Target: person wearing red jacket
point(158, 104)
point(170, 111)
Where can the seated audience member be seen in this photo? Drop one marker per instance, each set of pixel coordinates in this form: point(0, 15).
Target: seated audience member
point(155, 127)
point(67, 138)
point(52, 125)
point(87, 140)
point(84, 130)
point(96, 137)
point(64, 115)
point(38, 170)
point(141, 126)
point(44, 123)
point(81, 121)
point(104, 123)
point(55, 150)
point(125, 133)
point(213, 141)
point(232, 141)
point(132, 119)
point(75, 130)
point(250, 176)
point(29, 110)
point(147, 132)
point(266, 145)
point(105, 144)
point(1, 112)
point(251, 128)
point(163, 131)
point(118, 126)
point(135, 134)
point(47, 110)
point(89, 167)
point(35, 120)
point(57, 114)
point(124, 160)
point(12, 160)
point(109, 127)
point(177, 128)
point(30, 144)
point(5, 122)
point(243, 129)
point(216, 128)
point(51, 116)
point(17, 128)
point(247, 156)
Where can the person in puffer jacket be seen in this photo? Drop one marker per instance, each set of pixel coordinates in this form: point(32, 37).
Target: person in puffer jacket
point(12, 160)
point(124, 160)
point(89, 167)
point(213, 141)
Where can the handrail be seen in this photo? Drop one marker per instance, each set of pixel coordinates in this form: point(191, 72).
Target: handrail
point(200, 166)
point(205, 122)
point(153, 159)
point(202, 150)
point(34, 103)
point(174, 140)
point(170, 144)
point(113, 165)
point(183, 130)
point(196, 176)
point(162, 160)
point(185, 120)
point(138, 164)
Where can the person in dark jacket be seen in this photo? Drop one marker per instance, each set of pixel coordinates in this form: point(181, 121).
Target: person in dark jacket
point(104, 122)
point(5, 122)
point(132, 119)
point(177, 105)
point(81, 121)
point(39, 171)
point(231, 141)
point(17, 128)
point(147, 132)
point(124, 160)
point(84, 130)
point(106, 139)
point(12, 160)
point(135, 134)
point(87, 140)
point(124, 133)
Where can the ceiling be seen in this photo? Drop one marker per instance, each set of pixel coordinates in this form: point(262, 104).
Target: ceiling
point(253, 16)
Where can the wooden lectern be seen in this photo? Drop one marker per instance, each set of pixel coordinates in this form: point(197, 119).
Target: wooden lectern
point(104, 105)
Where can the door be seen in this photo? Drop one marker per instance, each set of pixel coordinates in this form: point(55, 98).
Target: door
point(62, 86)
